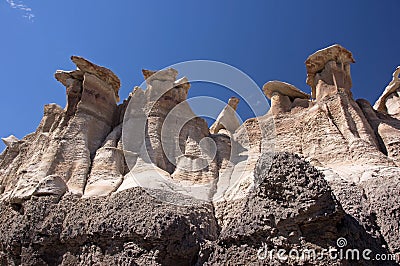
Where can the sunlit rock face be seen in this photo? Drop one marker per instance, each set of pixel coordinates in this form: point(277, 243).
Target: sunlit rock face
point(349, 141)
point(227, 119)
point(328, 71)
point(67, 139)
point(163, 137)
point(147, 181)
point(284, 97)
point(389, 101)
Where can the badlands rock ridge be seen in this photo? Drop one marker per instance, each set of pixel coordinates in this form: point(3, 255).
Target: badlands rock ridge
point(94, 184)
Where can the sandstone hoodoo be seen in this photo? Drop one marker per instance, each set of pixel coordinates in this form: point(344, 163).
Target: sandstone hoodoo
point(66, 141)
point(10, 140)
point(284, 96)
point(227, 119)
point(148, 182)
point(329, 66)
point(389, 100)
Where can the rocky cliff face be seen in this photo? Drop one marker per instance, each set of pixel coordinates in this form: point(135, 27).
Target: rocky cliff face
point(147, 182)
point(355, 146)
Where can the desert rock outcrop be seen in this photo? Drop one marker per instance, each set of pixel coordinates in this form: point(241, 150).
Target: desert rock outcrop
point(227, 119)
point(10, 140)
point(329, 66)
point(95, 182)
point(352, 144)
point(67, 139)
point(389, 101)
point(285, 96)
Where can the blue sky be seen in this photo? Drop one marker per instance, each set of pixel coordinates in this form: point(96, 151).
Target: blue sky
point(268, 40)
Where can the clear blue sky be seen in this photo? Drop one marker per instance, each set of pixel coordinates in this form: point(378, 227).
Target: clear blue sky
point(266, 39)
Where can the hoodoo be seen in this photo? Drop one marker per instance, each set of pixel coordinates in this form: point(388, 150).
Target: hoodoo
point(148, 182)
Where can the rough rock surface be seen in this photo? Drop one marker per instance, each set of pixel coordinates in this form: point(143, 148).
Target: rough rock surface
point(332, 66)
point(10, 140)
point(128, 228)
point(227, 119)
point(284, 96)
point(94, 184)
point(292, 208)
point(356, 147)
point(66, 140)
point(389, 101)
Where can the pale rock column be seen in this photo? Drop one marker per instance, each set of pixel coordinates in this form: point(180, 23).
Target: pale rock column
point(389, 101)
point(91, 106)
point(279, 103)
point(284, 97)
point(328, 75)
point(227, 119)
point(328, 71)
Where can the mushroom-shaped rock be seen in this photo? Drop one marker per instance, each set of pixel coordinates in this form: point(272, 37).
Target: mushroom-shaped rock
point(233, 102)
point(181, 89)
point(389, 102)
point(332, 66)
point(85, 66)
point(101, 72)
point(159, 82)
point(227, 119)
point(283, 88)
point(147, 73)
point(283, 95)
point(162, 86)
point(10, 140)
point(94, 87)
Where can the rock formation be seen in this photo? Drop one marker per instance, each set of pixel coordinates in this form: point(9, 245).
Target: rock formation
point(389, 100)
point(227, 119)
point(352, 144)
point(285, 96)
point(66, 141)
point(93, 185)
point(10, 140)
point(329, 66)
